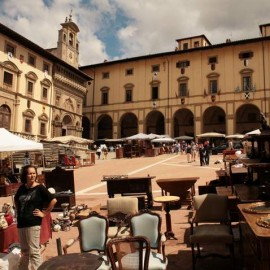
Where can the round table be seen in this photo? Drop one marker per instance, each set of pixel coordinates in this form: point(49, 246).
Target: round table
point(82, 261)
point(166, 200)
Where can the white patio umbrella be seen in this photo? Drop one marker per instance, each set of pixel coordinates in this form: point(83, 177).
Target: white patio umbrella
point(254, 132)
point(210, 135)
point(163, 140)
point(235, 136)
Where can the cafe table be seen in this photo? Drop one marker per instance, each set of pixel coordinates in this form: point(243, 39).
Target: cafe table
point(166, 200)
point(82, 261)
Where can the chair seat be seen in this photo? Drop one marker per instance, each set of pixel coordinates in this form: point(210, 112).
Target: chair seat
point(130, 261)
point(124, 231)
point(211, 233)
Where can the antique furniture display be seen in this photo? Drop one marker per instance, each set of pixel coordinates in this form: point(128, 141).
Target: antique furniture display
point(62, 181)
point(129, 253)
point(125, 185)
point(166, 200)
point(210, 225)
point(256, 238)
point(148, 224)
point(182, 187)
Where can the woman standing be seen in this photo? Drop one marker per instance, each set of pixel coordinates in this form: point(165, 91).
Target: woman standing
point(30, 200)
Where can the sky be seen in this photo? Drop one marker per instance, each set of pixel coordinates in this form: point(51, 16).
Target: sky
point(120, 29)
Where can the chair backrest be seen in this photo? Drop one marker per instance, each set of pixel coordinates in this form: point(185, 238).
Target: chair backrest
point(125, 205)
point(148, 224)
point(211, 208)
point(129, 253)
point(93, 232)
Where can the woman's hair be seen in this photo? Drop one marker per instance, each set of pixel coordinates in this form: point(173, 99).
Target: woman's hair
point(25, 172)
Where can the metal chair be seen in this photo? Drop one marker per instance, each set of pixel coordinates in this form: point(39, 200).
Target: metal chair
point(148, 224)
point(129, 253)
point(210, 225)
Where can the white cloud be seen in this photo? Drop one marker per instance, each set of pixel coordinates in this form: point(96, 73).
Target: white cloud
point(152, 26)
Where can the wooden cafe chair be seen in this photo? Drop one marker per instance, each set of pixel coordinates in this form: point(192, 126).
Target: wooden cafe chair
point(93, 232)
point(148, 224)
point(119, 211)
point(129, 253)
point(210, 225)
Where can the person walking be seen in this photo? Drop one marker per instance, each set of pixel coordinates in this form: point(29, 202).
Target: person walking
point(30, 199)
point(193, 151)
point(188, 151)
point(98, 152)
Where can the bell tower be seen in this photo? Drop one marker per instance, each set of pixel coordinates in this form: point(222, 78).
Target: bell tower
point(68, 44)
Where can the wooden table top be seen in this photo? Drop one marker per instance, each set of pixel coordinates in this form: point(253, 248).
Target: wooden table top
point(251, 218)
point(165, 199)
point(82, 261)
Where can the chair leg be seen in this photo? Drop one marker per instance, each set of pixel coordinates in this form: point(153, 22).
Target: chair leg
point(232, 255)
point(199, 250)
point(193, 256)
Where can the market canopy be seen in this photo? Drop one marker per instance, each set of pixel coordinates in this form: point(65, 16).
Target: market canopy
point(10, 142)
point(143, 136)
point(235, 136)
point(211, 135)
point(69, 139)
point(253, 132)
point(184, 138)
point(163, 140)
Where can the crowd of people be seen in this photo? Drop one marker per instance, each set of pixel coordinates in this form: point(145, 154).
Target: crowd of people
point(193, 150)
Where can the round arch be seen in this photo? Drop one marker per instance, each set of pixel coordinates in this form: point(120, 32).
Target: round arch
point(86, 127)
point(247, 118)
point(214, 119)
point(155, 123)
point(183, 122)
point(104, 127)
point(128, 125)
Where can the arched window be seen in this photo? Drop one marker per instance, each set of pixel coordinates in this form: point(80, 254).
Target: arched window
point(5, 117)
point(70, 39)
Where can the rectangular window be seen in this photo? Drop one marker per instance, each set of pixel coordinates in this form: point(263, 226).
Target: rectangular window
point(105, 75)
point(129, 71)
point(8, 78)
point(213, 86)
point(185, 46)
point(44, 93)
point(32, 60)
point(105, 96)
point(28, 126)
point(245, 55)
point(128, 95)
point(46, 67)
point(196, 44)
point(10, 49)
point(155, 68)
point(30, 87)
point(247, 83)
point(183, 64)
point(183, 90)
point(212, 60)
point(42, 129)
point(154, 92)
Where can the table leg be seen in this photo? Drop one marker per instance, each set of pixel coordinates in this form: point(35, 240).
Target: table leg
point(169, 233)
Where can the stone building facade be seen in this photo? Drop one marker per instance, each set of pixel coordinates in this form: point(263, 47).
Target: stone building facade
point(196, 88)
point(41, 91)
